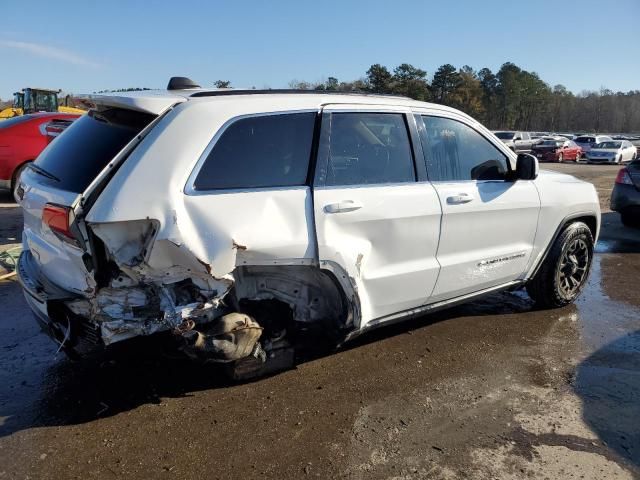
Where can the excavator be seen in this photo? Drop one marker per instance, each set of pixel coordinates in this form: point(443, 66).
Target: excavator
point(32, 100)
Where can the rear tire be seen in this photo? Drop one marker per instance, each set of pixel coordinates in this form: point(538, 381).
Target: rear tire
point(16, 177)
point(630, 220)
point(565, 271)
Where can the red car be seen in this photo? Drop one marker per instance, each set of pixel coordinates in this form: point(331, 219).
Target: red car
point(23, 138)
point(557, 151)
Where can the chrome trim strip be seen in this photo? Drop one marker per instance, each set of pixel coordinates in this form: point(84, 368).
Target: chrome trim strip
point(5, 184)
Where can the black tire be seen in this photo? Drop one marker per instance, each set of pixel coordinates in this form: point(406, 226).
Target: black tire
point(630, 220)
point(16, 176)
point(565, 271)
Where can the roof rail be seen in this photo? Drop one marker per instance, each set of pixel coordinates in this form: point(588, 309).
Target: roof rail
point(220, 93)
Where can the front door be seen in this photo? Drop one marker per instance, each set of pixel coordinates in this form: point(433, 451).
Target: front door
point(375, 221)
point(488, 223)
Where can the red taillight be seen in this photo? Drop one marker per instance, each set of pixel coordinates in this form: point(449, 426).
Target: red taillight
point(623, 177)
point(58, 219)
point(54, 130)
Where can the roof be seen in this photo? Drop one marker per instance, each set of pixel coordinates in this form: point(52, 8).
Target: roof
point(156, 101)
point(40, 89)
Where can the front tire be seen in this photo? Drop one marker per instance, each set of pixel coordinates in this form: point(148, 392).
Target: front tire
point(565, 271)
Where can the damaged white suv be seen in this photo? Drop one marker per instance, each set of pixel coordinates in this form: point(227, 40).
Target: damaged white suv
point(245, 221)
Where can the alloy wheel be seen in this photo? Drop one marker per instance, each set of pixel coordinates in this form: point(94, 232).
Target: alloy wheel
point(573, 267)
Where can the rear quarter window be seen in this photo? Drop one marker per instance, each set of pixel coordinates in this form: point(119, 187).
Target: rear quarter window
point(78, 155)
point(260, 151)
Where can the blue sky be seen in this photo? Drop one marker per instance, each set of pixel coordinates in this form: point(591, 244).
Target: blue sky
point(84, 46)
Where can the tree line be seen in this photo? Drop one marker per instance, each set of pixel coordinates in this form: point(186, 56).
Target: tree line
point(511, 98)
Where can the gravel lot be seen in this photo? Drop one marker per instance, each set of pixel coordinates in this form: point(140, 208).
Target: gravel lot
point(493, 389)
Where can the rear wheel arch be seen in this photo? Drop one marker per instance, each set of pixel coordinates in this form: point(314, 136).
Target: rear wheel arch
point(16, 172)
point(313, 294)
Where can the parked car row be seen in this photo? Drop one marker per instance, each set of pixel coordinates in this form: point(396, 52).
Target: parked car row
point(22, 139)
point(560, 147)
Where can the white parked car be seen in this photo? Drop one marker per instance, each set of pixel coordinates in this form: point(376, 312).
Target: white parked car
point(586, 142)
point(614, 151)
point(245, 221)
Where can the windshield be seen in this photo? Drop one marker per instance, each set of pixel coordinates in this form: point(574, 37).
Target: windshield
point(585, 140)
point(504, 135)
point(88, 145)
point(550, 143)
point(615, 145)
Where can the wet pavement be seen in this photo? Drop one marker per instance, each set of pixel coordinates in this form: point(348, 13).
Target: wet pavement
point(493, 389)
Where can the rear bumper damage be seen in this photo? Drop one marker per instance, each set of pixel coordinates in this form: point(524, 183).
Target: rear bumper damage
point(83, 327)
point(245, 319)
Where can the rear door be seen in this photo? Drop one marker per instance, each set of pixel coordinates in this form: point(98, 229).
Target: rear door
point(628, 151)
point(377, 218)
point(488, 223)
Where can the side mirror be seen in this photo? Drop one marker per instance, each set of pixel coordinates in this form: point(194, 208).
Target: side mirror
point(526, 167)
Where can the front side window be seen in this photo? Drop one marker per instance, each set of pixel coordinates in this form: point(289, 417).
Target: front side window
point(261, 151)
point(455, 152)
point(505, 135)
point(369, 148)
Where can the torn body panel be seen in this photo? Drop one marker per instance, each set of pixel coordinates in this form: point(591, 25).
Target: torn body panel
point(166, 255)
point(160, 275)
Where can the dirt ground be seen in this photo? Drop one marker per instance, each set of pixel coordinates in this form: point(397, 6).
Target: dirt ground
point(493, 389)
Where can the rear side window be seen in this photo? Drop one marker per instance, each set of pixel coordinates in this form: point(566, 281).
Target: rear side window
point(88, 145)
point(454, 151)
point(369, 148)
point(261, 151)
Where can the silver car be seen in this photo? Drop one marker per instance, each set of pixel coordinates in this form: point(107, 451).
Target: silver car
point(586, 142)
point(616, 151)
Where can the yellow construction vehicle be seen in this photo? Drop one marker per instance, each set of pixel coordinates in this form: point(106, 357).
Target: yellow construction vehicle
point(32, 100)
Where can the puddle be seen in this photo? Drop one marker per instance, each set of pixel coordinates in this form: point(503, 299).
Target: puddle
point(617, 246)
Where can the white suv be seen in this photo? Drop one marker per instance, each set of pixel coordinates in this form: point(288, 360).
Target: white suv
point(241, 221)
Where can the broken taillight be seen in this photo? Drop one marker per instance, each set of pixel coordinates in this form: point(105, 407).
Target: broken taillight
point(55, 128)
point(59, 220)
point(623, 177)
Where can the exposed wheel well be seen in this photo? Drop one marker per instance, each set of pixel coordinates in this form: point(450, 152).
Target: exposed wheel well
point(312, 294)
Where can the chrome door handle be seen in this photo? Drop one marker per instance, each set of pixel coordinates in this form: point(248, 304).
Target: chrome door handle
point(343, 206)
point(459, 199)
